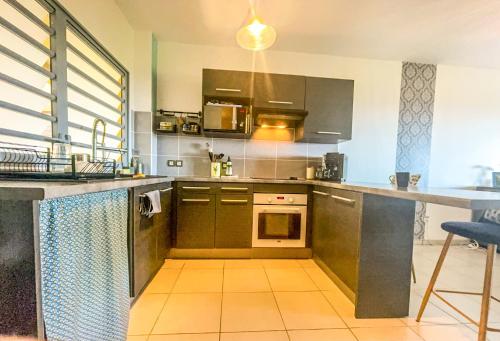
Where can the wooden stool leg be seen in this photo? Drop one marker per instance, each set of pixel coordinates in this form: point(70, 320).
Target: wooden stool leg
point(413, 273)
point(485, 305)
point(435, 274)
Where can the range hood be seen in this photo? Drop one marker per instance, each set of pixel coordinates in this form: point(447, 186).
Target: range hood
point(272, 118)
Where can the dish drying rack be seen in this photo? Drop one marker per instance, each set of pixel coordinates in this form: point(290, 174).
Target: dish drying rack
point(30, 162)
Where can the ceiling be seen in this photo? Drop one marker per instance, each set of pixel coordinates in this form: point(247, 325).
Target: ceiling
point(461, 32)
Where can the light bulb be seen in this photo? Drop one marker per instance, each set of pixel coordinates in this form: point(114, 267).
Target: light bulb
point(256, 36)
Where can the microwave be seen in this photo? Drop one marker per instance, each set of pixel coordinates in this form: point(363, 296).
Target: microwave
point(233, 118)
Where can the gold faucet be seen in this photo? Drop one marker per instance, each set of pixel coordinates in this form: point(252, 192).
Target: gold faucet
point(94, 137)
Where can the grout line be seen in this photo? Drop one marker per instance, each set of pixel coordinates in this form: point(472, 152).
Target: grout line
point(166, 301)
point(221, 300)
point(277, 306)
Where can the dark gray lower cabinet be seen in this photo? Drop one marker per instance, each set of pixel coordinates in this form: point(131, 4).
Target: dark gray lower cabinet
point(336, 232)
point(151, 237)
point(195, 221)
point(320, 222)
point(345, 223)
point(233, 221)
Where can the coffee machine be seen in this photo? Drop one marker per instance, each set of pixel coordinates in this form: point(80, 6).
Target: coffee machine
point(333, 167)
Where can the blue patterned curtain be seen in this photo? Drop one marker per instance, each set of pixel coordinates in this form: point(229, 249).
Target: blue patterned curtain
point(84, 263)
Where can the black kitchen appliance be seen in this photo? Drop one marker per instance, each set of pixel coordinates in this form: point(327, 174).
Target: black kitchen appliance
point(334, 167)
point(226, 117)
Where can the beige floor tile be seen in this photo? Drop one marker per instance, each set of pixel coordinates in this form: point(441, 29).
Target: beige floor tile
point(445, 333)
point(321, 335)
point(345, 308)
point(432, 314)
point(245, 280)
point(307, 310)
point(163, 282)
point(190, 313)
point(387, 334)
point(307, 263)
point(250, 312)
point(199, 280)
point(137, 338)
point(145, 312)
point(185, 337)
point(255, 336)
point(280, 263)
point(292, 279)
point(173, 264)
point(203, 264)
point(322, 281)
point(243, 264)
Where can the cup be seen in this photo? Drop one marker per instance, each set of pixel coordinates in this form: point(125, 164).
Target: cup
point(310, 173)
point(215, 169)
point(402, 179)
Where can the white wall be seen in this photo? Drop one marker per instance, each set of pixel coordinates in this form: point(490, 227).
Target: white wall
point(372, 151)
point(466, 128)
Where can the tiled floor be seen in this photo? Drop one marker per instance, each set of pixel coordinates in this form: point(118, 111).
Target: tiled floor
point(293, 300)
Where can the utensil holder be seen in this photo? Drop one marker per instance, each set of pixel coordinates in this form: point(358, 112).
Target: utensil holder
point(215, 168)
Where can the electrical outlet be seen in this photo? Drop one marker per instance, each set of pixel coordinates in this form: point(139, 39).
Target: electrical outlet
point(171, 163)
point(178, 163)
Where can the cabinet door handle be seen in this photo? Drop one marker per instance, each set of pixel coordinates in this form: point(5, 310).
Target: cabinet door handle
point(344, 200)
point(320, 193)
point(280, 102)
point(191, 188)
point(228, 89)
point(166, 190)
point(195, 200)
point(234, 201)
point(328, 133)
point(235, 189)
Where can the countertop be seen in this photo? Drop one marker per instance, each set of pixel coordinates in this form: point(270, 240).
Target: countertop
point(456, 197)
point(40, 190)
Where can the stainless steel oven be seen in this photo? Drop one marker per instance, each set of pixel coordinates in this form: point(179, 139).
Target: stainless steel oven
point(279, 220)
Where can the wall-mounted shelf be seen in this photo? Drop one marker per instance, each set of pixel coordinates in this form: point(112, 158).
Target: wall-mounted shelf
point(177, 122)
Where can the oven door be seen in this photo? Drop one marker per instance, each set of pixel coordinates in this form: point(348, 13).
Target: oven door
point(279, 226)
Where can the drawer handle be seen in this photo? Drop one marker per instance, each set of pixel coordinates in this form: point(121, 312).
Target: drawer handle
point(320, 193)
point(228, 89)
point(195, 200)
point(345, 200)
point(195, 188)
point(166, 190)
point(328, 133)
point(280, 102)
point(235, 189)
point(234, 201)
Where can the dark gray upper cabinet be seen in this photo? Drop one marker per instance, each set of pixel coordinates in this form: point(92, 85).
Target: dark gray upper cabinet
point(225, 83)
point(329, 105)
point(275, 91)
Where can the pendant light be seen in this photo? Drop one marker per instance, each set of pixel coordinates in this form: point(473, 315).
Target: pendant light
point(256, 35)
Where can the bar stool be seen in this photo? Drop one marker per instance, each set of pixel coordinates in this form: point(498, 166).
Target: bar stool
point(487, 231)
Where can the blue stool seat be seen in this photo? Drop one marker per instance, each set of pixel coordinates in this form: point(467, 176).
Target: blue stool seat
point(487, 233)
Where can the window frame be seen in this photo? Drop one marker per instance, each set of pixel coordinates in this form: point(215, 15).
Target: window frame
point(60, 21)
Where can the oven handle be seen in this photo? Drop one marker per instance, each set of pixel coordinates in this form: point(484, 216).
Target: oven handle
point(281, 210)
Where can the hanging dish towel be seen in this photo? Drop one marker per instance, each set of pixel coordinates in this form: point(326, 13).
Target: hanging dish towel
point(84, 266)
point(150, 203)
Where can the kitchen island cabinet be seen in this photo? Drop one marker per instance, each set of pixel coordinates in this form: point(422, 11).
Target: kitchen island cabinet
point(358, 241)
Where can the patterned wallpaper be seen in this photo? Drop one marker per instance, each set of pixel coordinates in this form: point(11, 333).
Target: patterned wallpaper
point(416, 110)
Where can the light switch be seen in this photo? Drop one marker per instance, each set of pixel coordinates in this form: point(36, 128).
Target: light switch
point(178, 163)
point(171, 163)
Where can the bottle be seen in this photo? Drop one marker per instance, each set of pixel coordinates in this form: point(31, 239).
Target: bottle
point(229, 166)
